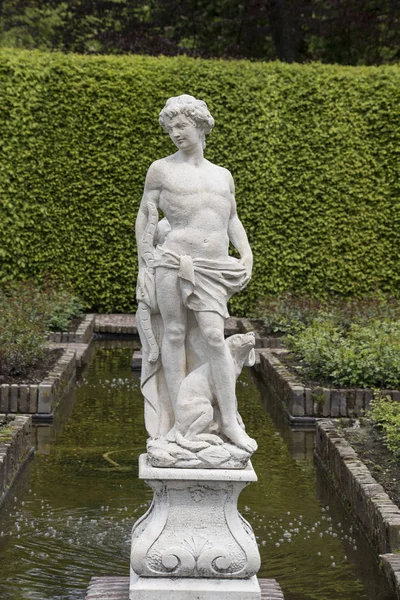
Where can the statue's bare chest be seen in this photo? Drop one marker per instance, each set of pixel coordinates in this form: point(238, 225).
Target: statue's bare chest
point(183, 189)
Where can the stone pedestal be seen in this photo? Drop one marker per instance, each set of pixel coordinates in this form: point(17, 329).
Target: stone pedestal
point(192, 544)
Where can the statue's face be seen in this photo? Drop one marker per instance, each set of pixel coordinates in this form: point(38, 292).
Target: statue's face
point(184, 133)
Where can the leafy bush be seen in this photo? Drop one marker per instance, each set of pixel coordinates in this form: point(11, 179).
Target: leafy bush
point(27, 312)
point(385, 412)
point(364, 355)
point(313, 150)
point(62, 307)
point(288, 313)
point(22, 331)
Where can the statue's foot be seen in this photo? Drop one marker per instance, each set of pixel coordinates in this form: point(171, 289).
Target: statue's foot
point(210, 438)
point(240, 438)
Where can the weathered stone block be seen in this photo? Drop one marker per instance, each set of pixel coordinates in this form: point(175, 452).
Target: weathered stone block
point(33, 398)
point(136, 360)
point(367, 398)
point(4, 398)
point(45, 398)
point(335, 403)
point(342, 403)
point(309, 403)
point(326, 407)
point(14, 393)
point(360, 402)
point(297, 401)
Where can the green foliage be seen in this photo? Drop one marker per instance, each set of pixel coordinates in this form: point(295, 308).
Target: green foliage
point(314, 151)
point(385, 412)
point(356, 33)
point(22, 333)
point(366, 355)
point(289, 313)
point(27, 312)
point(62, 307)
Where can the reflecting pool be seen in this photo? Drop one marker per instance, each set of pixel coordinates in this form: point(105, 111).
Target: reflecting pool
point(70, 515)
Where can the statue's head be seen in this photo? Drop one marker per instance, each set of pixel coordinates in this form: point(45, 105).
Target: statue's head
point(194, 110)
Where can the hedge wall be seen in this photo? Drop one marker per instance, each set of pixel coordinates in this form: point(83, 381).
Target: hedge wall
point(314, 151)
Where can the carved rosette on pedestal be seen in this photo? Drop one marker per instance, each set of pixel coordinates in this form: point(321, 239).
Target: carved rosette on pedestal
point(194, 531)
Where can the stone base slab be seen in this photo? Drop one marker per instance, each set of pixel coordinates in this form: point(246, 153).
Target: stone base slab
point(117, 588)
point(168, 588)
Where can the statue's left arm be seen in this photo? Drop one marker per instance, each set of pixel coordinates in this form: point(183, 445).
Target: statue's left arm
point(237, 235)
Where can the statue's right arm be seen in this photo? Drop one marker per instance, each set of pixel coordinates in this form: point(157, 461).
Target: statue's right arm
point(151, 194)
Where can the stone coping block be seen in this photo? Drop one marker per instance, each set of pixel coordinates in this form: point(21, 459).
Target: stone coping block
point(40, 398)
point(184, 588)
point(15, 448)
point(83, 351)
point(117, 588)
point(390, 564)
point(302, 401)
point(377, 514)
point(148, 472)
point(83, 334)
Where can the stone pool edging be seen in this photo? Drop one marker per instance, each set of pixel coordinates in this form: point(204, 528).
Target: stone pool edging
point(40, 399)
point(15, 450)
point(303, 401)
point(390, 564)
point(378, 516)
point(83, 334)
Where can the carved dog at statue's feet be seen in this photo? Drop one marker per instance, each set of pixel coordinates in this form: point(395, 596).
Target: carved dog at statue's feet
point(197, 412)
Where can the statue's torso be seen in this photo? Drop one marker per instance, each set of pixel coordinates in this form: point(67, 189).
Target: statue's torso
point(197, 203)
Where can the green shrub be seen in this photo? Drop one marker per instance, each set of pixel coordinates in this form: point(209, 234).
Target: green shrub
point(62, 307)
point(27, 312)
point(288, 313)
point(362, 355)
point(313, 150)
point(22, 331)
point(385, 412)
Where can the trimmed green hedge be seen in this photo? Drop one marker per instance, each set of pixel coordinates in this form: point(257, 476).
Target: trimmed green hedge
point(314, 151)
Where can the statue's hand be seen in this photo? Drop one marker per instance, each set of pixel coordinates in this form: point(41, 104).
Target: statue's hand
point(247, 262)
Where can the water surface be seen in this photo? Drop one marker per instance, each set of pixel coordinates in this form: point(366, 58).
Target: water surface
point(71, 514)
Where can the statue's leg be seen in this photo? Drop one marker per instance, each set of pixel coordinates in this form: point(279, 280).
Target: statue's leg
point(222, 373)
point(202, 421)
point(173, 313)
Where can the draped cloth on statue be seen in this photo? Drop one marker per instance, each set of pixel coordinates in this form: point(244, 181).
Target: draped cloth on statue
point(205, 285)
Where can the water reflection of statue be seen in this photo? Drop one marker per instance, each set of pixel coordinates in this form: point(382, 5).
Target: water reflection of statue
point(186, 275)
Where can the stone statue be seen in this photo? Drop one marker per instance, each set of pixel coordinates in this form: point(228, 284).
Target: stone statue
point(185, 280)
point(192, 543)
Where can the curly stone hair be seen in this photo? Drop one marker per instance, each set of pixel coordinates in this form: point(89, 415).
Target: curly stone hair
point(196, 110)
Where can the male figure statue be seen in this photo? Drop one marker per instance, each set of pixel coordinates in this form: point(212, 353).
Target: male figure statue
point(186, 276)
